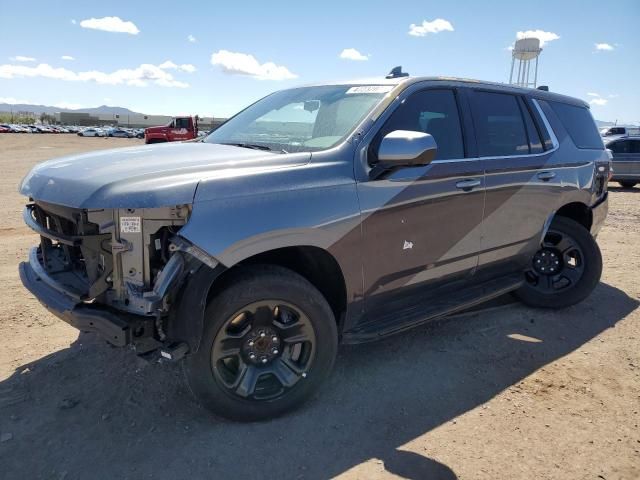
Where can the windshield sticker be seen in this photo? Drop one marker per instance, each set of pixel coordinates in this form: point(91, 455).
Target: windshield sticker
point(129, 224)
point(370, 89)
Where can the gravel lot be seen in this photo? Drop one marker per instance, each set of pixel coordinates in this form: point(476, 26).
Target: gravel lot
point(507, 393)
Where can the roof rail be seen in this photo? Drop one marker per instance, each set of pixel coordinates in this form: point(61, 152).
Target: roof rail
point(544, 88)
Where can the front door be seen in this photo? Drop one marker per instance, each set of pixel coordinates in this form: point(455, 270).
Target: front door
point(421, 225)
point(181, 131)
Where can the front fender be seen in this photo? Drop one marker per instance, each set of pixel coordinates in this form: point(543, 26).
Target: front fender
point(233, 229)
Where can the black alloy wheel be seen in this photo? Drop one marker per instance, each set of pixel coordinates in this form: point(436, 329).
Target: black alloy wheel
point(566, 268)
point(558, 265)
point(270, 339)
point(263, 350)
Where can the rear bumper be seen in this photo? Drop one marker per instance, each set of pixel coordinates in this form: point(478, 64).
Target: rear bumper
point(599, 213)
point(628, 170)
point(83, 316)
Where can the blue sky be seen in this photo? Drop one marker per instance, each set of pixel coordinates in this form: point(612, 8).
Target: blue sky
point(240, 51)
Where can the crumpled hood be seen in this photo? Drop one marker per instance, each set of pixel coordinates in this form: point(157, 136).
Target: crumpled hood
point(145, 176)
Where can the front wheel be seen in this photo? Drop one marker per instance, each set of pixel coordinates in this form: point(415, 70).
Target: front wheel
point(270, 339)
point(565, 270)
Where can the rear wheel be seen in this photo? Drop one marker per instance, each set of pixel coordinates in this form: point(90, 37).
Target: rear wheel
point(565, 270)
point(627, 183)
point(270, 340)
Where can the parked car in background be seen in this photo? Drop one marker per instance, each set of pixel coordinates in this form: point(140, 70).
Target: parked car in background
point(119, 132)
point(366, 209)
point(612, 131)
point(626, 160)
point(91, 132)
point(5, 129)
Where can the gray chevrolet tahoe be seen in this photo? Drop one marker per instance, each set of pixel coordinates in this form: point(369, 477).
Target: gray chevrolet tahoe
point(320, 215)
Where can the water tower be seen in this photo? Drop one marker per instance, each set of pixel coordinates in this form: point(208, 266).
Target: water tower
point(524, 51)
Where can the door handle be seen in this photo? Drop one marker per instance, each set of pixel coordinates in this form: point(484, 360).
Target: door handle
point(468, 185)
point(546, 176)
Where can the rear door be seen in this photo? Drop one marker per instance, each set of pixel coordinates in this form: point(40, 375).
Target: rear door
point(523, 186)
point(421, 225)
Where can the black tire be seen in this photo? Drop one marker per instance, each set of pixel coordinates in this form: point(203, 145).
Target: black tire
point(627, 183)
point(576, 275)
point(210, 376)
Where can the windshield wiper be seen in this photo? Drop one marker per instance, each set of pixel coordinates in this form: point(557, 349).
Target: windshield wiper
point(254, 146)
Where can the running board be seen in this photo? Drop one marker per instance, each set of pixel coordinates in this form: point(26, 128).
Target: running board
point(432, 309)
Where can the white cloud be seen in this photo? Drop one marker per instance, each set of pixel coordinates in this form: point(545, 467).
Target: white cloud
point(613, 95)
point(73, 21)
point(67, 105)
point(192, 39)
point(352, 54)
point(245, 64)
point(604, 47)
point(12, 100)
point(598, 101)
point(593, 94)
point(168, 65)
point(138, 77)
point(543, 36)
point(110, 24)
point(435, 26)
point(20, 58)
point(67, 57)
point(185, 67)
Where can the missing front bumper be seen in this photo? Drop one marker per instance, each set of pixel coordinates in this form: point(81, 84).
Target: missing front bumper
point(116, 329)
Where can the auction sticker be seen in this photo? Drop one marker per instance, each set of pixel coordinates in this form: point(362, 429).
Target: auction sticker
point(130, 225)
point(370, 89)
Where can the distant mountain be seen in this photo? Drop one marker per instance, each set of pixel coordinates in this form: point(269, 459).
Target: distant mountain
point(602, 124)
point(37, 109)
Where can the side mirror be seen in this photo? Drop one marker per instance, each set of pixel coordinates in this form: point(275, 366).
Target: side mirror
point(406, 148)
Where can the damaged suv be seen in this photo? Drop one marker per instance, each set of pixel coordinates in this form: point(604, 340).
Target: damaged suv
point(320, 215)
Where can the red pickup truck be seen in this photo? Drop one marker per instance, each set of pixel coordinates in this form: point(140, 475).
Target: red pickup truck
point(178, 129)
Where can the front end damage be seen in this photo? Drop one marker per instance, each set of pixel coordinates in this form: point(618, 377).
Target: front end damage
point(117, 272)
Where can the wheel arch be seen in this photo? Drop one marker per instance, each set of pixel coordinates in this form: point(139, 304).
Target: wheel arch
point(577, 211)
point(315, 264)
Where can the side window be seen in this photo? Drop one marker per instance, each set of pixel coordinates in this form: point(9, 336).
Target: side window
point(430, 111)
point(182, 123)
point(535, 144)
point(500, 130)
point(621, 147)
point(579, 124)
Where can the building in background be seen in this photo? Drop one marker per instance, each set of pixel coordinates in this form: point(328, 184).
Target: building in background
point(127, 120)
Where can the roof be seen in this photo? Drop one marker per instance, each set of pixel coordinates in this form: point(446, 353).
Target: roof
point(407, 81)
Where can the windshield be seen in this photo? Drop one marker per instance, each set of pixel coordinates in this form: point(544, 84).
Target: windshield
point(301, 119)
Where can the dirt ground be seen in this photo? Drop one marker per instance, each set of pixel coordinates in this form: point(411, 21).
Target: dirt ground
point(509, 393)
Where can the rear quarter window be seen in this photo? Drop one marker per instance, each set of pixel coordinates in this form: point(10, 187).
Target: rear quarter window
point(579, 124)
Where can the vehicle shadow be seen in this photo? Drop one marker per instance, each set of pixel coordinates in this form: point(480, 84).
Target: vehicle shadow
point(92, 411)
